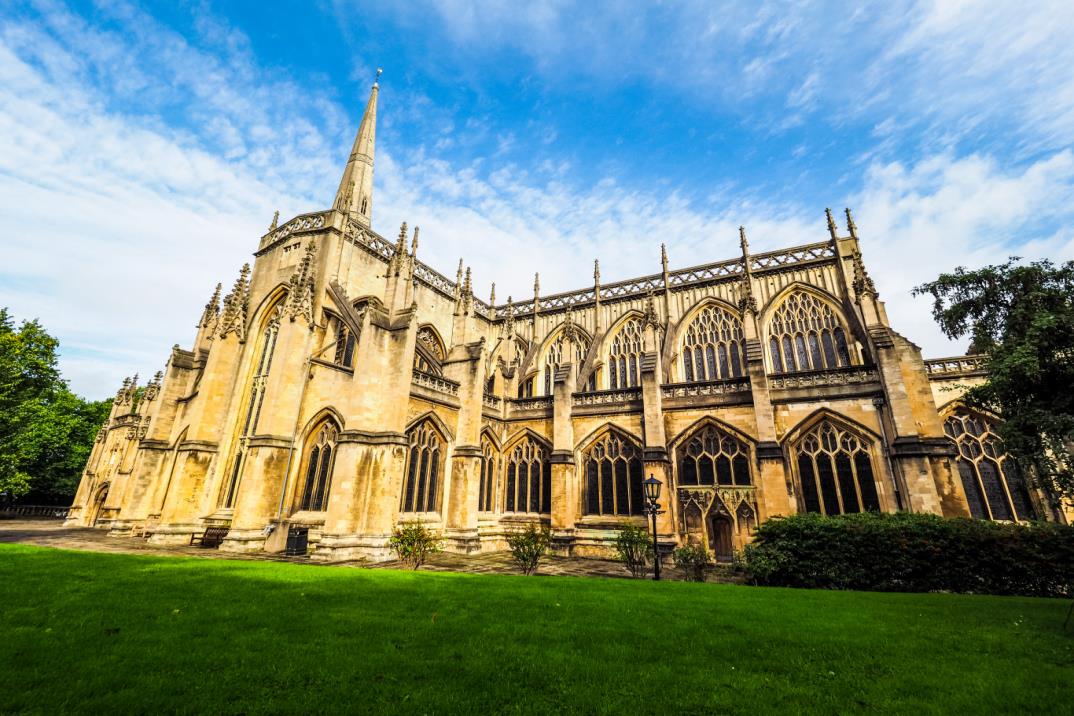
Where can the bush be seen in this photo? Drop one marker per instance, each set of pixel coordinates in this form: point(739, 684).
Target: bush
point(634, 549)
point(413, 542)
point(692, 559)
point(528, 546)
point(912, 553)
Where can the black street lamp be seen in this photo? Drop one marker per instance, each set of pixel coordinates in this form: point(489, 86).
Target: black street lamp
point(652, 508)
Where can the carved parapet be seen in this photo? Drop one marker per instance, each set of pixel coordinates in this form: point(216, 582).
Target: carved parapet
point(945, 368)
point(436, 383)
point(854, 375)
point(703, 388)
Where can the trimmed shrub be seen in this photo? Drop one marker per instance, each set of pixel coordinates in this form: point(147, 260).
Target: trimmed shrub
point(413, 542)
point(692, 560)
point(912, 553)
point(634, 549)
point(528, 546)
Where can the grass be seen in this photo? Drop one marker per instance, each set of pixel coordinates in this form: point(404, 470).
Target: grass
point(110, 633)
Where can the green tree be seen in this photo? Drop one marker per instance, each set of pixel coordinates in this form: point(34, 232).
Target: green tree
point(46, 431)
point(1021, 316)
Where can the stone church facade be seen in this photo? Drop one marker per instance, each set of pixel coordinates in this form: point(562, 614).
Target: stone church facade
point(342, 386)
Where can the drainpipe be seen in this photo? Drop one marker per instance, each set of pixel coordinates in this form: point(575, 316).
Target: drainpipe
point(879, 403)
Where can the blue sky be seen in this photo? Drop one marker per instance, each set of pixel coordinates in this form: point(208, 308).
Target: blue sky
point(143, 148)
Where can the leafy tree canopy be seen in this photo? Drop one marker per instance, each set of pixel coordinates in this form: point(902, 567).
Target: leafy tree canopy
point(1021, 316)
point(46, 431)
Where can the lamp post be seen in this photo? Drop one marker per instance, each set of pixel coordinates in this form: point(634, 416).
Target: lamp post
point(652, 508)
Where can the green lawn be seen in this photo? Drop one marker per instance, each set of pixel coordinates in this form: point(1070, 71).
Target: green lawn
point(109, 633)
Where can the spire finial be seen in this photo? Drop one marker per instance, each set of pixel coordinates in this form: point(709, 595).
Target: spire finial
point(355, 194)
point(743, 242)
point(414, 242)
point(596, 270)
point(467, 284)
point(831, 224)
point(850, 225)
point(664, 257)
point(275, 221)
point(376, 80)
point(492, 295)
point(536, 284)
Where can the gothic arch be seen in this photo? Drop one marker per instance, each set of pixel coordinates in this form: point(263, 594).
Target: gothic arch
point(429, 349)
point(317, 463)
point(611, 471)
point(599, 433)
point(703, 421)
point(720, 456)
point(810, 421)
point(581, 346)
point(769, 308)
point(804, 329)
point(553, 335)
point(438, 424)
point(276, 296)
point(835, 464)
point(723, 357)
point(626, 371)
point(487, 432)
point(327, 411)
point(521, 435)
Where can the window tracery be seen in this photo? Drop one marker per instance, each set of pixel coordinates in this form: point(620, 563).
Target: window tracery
point(256, 391)
point(613, 476)
point(345, 343)
point(433, 356)
point(567, 348)
point(835, 470)
point(486, 491)
point(995, 488)
point(624, 356)
point(320, 460)
point(712, 346)
point(806, 334)
point(528, 478)
point(714, 457)
point(421, 488)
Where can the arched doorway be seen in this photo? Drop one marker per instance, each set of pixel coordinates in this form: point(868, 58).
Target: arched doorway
point(98, 503)
point(721, 532)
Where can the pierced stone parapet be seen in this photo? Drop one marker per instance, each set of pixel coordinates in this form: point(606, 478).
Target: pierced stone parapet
point(607, 397)
point(491, 401)
point(853, 375)
point(436, 383)
point(708, 387)
point(941, 368)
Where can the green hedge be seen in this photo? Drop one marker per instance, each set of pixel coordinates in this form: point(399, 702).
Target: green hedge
point(912, 553)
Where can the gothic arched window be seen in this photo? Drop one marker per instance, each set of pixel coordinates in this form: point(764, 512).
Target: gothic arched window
point(345, 343)
point(567, 348)
point(714, 457)
point(319, 461)
point(421, 488)
point(712, 346)
point(624, 356)
point(429, 354)
point(256, 392)
point(486, 492)
point(806, 334)
point(528, 478)
point(995, 488)
point(836, 471)
point(613, 476)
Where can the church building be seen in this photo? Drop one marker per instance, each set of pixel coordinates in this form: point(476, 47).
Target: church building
point(343, 386)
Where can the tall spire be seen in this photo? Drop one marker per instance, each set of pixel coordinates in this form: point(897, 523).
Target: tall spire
point(355, 194)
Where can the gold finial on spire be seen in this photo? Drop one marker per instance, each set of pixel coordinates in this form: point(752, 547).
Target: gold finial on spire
point(850, 225)
point(743, 242)
point(275, 221)
point(831, 224)
point(376, 80)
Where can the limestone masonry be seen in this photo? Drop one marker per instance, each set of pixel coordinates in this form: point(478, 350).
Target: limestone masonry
point(342, 386)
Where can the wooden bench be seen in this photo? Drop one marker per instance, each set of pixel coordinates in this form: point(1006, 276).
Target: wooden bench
point(211, 537)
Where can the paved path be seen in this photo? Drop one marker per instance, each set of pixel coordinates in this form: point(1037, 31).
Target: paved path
point(52, 533)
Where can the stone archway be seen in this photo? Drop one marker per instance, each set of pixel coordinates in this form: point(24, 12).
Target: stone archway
point(98, 504)
point(721, 530)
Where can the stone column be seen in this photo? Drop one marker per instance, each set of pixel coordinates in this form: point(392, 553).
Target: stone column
point(565, 487)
